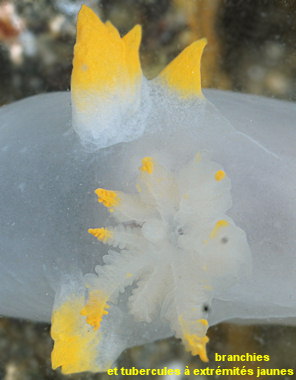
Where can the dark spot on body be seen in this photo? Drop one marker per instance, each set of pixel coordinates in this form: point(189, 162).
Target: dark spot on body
point(180, 231)
point(206, 308)
point(224, 240)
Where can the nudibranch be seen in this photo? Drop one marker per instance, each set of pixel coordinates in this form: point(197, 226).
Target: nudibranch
point(173, 243)
point(189, 195)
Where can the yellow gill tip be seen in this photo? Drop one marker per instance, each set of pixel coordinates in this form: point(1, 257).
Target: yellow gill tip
point(194, 343)
point(219, 175)
point(197, 345)
point(95, 309)
point(108, 198)
point(147, 165)
point(220, 224)
point(102, 234)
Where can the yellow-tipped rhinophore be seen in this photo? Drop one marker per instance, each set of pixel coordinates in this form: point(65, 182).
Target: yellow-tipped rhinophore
point(95, 308)
point(102, 234)
point(147, 165)
point(221, 223)
point(109, 198)
point(219, 175)
point(183, 73)
point(132, 42)
point(103, 61)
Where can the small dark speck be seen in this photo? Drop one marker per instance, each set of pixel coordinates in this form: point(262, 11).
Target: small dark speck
point(206, 308)
point(180, 231)
point(224, 240)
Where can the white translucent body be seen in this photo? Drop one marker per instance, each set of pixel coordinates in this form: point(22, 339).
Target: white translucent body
point(47, 201)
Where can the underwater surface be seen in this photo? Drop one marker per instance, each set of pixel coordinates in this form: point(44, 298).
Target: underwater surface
point(249, 50)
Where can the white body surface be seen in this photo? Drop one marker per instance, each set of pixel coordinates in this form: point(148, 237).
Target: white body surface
point(47, 201)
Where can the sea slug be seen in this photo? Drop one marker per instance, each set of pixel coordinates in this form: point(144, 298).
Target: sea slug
point(190, 194)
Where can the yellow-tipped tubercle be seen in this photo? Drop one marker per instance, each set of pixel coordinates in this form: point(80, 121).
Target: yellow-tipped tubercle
point(74, 348)
point(220, 224)
point(203, 322)
point(219, 175)
point(197, 345)
point(147, 165)
point(183, 73)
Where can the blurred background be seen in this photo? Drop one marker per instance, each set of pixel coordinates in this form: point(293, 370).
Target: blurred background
point(251, 48)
